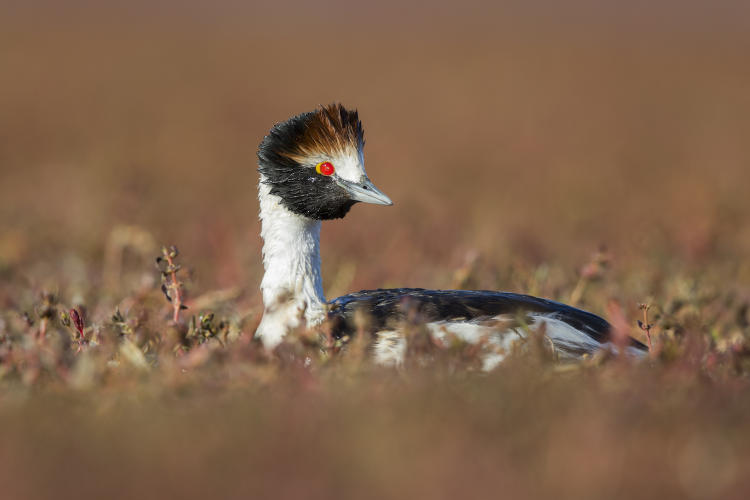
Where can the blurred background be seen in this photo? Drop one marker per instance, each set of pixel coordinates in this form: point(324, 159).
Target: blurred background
point(523, 142)
point(524, 132)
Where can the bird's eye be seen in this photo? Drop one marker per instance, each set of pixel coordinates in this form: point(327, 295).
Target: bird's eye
point(325, 168)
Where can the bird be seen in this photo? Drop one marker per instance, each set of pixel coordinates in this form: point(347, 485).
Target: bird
point(312, 169)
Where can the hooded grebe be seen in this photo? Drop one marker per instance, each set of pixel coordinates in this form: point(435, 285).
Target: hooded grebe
point(312, 169)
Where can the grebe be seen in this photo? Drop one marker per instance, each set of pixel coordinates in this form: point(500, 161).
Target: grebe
point(312, 169)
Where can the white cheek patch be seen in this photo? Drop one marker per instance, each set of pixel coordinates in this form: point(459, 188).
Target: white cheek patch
point(349, 167)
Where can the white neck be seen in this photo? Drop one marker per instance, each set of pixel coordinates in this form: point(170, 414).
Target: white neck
point(292, 287)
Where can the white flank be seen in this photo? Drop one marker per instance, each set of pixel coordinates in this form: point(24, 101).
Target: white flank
point(390, 346)
point(565, 336)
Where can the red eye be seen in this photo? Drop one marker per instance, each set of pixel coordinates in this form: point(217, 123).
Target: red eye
point(325, 168)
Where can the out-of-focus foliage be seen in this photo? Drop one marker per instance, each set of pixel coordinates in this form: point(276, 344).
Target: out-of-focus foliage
point(589, 154)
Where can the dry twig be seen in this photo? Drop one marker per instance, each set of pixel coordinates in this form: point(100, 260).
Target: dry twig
point(645, 325)
point(171, 285)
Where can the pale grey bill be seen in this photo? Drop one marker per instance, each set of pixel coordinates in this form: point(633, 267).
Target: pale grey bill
point(364, 191)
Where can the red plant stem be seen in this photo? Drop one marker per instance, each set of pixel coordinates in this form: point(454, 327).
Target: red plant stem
point(647, 328)
point(176, 292)
point(43, 329)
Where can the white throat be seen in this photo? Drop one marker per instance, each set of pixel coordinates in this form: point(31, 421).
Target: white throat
point(292, 286)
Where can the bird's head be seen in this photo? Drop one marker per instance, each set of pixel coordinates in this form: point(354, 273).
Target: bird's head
point(314, 162)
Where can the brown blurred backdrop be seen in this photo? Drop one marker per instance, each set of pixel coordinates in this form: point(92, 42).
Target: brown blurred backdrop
point(527, 132)
point(515, 138)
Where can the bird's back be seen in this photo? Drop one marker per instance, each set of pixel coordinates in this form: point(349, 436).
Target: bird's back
point(572, 331)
